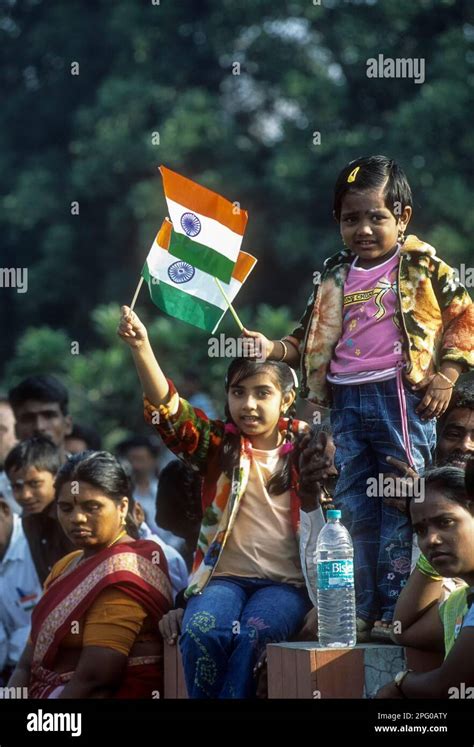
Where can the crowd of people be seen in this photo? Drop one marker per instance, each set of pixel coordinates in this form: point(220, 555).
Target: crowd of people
point(209, 544)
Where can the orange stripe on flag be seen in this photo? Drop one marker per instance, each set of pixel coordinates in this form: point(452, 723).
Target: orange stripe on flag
point(194, 197)
point(164, 234)
point(243, 267)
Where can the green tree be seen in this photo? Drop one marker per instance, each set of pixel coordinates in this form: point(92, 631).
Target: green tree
point(233, 95)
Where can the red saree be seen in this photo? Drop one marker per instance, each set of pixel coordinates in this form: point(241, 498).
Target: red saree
point(139, 569)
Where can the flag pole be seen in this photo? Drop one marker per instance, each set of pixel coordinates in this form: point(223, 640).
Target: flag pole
point(137, 291)
point(231, 308)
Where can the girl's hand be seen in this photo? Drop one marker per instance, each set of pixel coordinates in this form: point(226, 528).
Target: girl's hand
point(257, 345)
point(130, 329)
point(436, 399)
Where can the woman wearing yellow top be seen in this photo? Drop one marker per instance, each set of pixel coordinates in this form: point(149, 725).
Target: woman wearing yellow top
point(95, 630)
point(444, 523)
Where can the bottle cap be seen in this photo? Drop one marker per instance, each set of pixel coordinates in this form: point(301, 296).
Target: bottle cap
point(333, 513)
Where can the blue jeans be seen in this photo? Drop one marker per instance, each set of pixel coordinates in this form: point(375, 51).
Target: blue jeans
point(226, 628)
point(367, 427)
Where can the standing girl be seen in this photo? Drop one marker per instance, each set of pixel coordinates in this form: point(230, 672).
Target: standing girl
point(247, 586)
point(382, 341)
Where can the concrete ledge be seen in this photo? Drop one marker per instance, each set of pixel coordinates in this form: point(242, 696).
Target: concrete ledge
point(174, 683)
point(304, 670)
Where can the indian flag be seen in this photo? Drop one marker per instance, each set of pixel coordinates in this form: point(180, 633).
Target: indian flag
point(186, 292)
point(208, 229)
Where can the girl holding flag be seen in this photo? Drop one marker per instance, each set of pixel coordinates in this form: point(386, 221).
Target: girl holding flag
point(247, 586)
point(382, 341)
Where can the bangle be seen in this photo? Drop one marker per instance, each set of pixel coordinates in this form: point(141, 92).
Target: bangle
point(295, 347)
point(285, 352)
point(399, 678)
point(451, 383)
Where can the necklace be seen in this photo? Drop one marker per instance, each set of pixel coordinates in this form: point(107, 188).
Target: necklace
point(119, 536)
point(81, 558)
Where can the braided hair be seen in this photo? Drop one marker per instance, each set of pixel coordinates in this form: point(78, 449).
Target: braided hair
point(282, 376)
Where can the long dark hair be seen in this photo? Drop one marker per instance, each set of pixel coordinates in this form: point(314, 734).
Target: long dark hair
point(104, 472)
point(451, 482)
point(282, 376)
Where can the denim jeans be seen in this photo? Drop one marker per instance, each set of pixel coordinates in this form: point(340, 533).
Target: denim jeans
point(226, 628)
point(367, 427)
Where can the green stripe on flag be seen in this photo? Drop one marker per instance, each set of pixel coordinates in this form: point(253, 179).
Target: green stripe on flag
point(201, 256)
point(182, 305)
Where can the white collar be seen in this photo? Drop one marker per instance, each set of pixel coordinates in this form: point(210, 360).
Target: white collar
point(375, 267)
point(15, 550)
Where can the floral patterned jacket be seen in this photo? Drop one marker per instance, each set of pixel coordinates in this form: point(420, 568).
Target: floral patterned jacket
point(189, 433)
point(435, 314)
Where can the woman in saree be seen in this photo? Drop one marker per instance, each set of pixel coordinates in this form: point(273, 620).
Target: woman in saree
point(94, 633)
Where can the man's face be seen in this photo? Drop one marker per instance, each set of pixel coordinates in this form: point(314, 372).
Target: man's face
point(456, 441)
point(7, 431)
point(34, 418)
point(33, 489)
point(141, 461)
point(75, 445)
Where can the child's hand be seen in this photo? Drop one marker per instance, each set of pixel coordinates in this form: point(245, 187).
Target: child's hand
point(257, 345)
point(436, 399)
point(130, 328)
point(317, 470)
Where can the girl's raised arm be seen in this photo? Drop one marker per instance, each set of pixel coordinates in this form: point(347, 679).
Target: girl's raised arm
point(153, 380)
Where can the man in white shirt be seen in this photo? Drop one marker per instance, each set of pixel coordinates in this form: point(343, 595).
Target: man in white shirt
point(20, 588)
point(7, 442)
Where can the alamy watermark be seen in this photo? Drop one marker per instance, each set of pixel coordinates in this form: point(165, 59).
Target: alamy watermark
point(388, 67)
point(461, 693)
point(235, 347)
point(44, 721)
point(13, 693)
point(464, 275)
point(388, 486)
point(14, 277)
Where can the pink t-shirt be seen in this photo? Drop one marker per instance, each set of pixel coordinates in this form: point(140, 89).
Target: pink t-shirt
point(371, 339)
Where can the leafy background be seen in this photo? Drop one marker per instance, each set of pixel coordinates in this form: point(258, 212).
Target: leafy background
point(168, 69)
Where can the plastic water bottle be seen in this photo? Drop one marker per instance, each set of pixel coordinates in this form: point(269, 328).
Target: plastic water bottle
point(335, 584)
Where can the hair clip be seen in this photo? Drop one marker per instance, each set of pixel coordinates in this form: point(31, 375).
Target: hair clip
point(352, 175)
point(286, 448)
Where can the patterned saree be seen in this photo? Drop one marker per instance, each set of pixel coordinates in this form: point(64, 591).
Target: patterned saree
point(138, 569)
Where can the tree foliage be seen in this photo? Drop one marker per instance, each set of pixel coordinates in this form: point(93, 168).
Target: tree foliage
point(231, 95)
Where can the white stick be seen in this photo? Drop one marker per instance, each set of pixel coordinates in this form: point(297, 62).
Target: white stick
point(137, 291)
point(231, 308)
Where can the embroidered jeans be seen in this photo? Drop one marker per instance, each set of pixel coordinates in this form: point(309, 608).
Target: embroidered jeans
point(367, 426)
point(226, 628)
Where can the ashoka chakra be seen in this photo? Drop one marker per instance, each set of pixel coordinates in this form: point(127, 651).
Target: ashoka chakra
point(181, 272)
point(191, 224)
